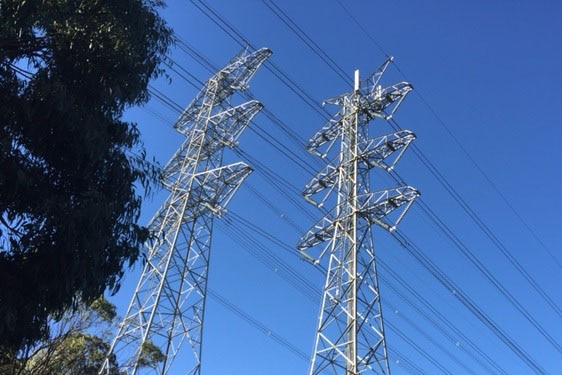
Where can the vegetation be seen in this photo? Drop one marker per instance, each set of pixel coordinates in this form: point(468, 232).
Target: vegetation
point(70, 167)
point(73, 348)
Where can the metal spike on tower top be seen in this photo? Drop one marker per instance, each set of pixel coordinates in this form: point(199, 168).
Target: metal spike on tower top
point(168, 304)
point(350, 337)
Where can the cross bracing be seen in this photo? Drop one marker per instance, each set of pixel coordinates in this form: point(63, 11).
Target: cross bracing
point(395, 233)
point(374, 152)
point(166, 313)
point(350, 335)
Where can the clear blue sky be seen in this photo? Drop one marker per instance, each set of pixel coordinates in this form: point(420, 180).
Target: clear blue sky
point(490, 71)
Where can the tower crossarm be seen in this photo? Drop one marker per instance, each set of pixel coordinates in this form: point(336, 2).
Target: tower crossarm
point(229, 124)
point(386, 208)
point(381, 102)
point(326, 179)
point(234, 76)
point(373, 80)
point(373, 152)
point(218, 186)
point(185, 158)
point(378, 102)
point(376, 152)
point(212, 190)
point(368, 85)
point(320, 232)
point(328, 133)
point(223, 129)
point(243, 67)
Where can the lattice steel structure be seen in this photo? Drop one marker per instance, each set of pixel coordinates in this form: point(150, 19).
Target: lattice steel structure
point(350, 336)
point(168, 304)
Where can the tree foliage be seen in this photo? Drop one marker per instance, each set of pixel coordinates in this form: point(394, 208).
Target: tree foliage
point(70, 166)
point(78, 345)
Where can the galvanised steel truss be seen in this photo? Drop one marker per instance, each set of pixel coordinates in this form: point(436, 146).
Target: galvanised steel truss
point(168, 304)
point(350, 336)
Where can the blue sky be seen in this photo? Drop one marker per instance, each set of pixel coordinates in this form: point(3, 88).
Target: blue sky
point(485, 72)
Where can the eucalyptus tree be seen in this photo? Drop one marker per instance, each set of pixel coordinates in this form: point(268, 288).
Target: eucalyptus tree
point(72, 171)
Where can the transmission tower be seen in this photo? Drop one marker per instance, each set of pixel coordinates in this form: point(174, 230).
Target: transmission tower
point(168, 304)
point(350, 336)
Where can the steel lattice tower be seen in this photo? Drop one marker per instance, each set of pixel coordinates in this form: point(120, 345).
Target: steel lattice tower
point(350, 336)
point(168, 304)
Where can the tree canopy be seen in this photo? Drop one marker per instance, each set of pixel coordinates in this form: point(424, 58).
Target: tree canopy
point(77, 345)
point(70, 167)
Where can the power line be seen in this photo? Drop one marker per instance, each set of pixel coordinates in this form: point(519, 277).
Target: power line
point(433, 341)
point(428, 307)
point(288, 21)
point(489, 276)
point(467, 301)
point(302, 286)
point(458, 143)
point(418, 348)
point(276, 71)
point(265, 256)
point(240, 219)
point(403, 361)
point(258, 325)
point(307, 40)
point(468, 210)
point(281, 125)
point(278, 264)
point(483, 226)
